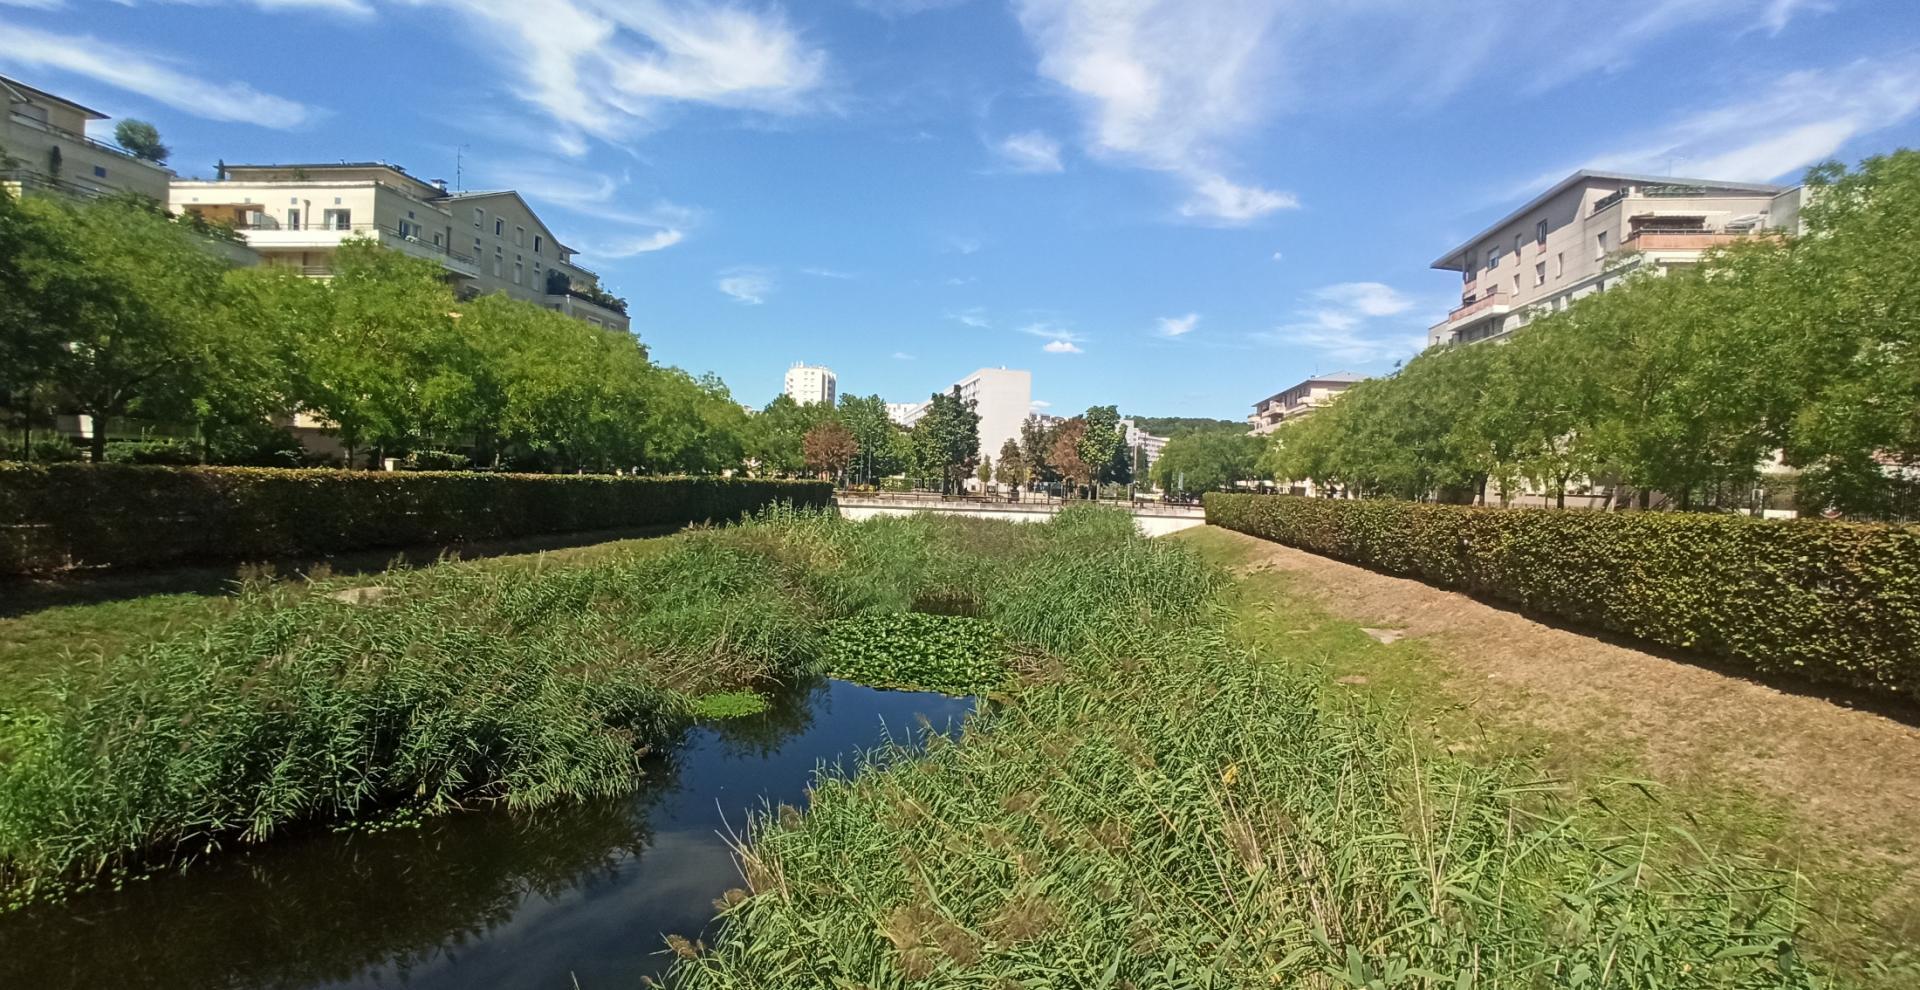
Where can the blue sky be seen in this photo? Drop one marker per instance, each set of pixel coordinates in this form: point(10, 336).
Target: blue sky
point(1178, 206)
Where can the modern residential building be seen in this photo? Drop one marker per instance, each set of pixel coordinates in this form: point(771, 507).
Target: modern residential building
point(1299, 400)
point(1143, 443)
point(808, 384)
point(1590, 230)
point(905, 414)
point(1003, 397)
point(297, 216)
point(44, 139)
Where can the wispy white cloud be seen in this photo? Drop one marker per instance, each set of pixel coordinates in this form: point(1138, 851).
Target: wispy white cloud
point(1277, 256)
point(826, 273)
point(1780, 13)
point(1059, 339)
point(966, 245)
point(1178, 326)
point(902, 356)
point(156, 78)
point(1164, 86)
point(596, 197)
point(609, 68)
point(973, 317)
point(1798, 119)
point(1040, 404)
point(627, 247)
point(1359, 323)
point(905, 8)
point(746, 285)
point(1030, 151)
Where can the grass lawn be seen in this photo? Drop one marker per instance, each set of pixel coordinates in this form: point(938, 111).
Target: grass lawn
point(51, 626)
point(1864, 873)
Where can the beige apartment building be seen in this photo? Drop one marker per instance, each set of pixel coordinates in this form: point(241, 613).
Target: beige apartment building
point(44, 139)
point(297, 216)
point(1299, 400)
point(1590, 230)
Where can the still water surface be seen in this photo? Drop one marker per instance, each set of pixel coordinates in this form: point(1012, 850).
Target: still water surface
point(585, 892)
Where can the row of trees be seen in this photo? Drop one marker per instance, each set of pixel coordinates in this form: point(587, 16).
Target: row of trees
point(118, 311)
point(1684, 384)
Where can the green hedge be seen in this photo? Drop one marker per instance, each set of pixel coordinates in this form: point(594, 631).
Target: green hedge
point(59, 516)
point(1833, 602)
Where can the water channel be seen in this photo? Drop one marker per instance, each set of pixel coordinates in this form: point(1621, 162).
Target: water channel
point(577, 895)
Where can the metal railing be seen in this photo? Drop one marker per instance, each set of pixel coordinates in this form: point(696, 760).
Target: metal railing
point(1497, 297)
point(112, 149)
point(267, 223)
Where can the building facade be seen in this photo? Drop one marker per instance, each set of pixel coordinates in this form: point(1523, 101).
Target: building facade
point(1002, 396)
point(1299, 400)
point(45, 140)
point(1590, 230)
point(808, 384)
point(1145, 446)
point(297, 216)
point(905, 414)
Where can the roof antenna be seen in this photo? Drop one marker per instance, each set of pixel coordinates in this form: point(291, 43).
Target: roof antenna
point(459, 180)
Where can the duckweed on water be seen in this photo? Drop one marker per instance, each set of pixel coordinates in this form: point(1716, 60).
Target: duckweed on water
point(946, 653)
point(728, 704)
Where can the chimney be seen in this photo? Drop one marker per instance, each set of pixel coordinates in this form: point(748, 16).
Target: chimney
point(440, 184)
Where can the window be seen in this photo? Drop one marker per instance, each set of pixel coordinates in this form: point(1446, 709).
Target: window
point(1601, 244)
point(519, 236)
point(1540, 273)
point(516, 273)
point(478, 215)
point(477, 252)
point(1518, 240)
point(1560, 264)
point(499, 263)
point(1540, 232)
point(499, 227)
point(1493, 257)
point(99, 171)
point(1516, 285)
point(337, 219)
point(536, 247)
point(293, 219)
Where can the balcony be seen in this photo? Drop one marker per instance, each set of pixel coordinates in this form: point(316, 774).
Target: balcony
point(268, 235)
point(1496, 303)
point(1680, 240)
point(37, 124)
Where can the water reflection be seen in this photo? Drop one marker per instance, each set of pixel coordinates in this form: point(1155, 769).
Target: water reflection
point(584, 892)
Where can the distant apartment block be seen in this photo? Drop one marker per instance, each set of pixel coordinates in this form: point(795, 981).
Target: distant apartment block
point(1589, 231)
point(1299, 400)
point(297, 216)
point(1003, 398)
point(1146, 443)
point(44, 139)
point(811, 384)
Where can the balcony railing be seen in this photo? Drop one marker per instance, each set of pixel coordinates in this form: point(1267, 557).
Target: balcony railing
point(1498, 297)
point(1680, 240)
point(1609, 199)
point(365, 229)
point(112, 149)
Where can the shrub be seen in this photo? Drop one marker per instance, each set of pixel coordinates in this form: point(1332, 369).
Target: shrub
point(174, 452)
point(949, 653)
point(82, 515)
point(46, 450)
point(436, 460)
point(1831, 602)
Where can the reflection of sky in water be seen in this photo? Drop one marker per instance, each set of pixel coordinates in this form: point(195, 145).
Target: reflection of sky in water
point(471, 901)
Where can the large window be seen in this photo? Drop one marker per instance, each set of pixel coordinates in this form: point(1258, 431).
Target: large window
point(499, 227)
point(536, 244)
point(1600, 245)
point(337, 219)
point(1540, 232)
point(479, 216)
point(519, 236)
point(1493, 257)
point(1540, 273)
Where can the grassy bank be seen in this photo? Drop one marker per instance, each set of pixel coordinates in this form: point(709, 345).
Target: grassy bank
point(1173, 806)
point(519, 682)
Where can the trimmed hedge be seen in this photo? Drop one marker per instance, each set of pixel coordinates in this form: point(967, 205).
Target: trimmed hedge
point(1826, 601)
point(59, 516)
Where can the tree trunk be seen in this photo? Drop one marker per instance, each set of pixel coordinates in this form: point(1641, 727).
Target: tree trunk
point(97, 444)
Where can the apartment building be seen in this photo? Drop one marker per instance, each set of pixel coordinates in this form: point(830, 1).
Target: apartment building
point(44, 139)
point(1590, 230)
point(1003, 397)
point(808, 384)
point(1299, 400)
point(1143, 442)
point(298, 215)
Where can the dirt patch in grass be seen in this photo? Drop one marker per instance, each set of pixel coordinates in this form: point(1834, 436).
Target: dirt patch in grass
point(1847, 778)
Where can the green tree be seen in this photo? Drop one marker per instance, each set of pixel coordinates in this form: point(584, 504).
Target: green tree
point(1065, 456)
point(1036, 445)
point(132, 299)
point(1208, 460)
point(142, 139)
point(1011, 470)
point(946, 440)
point(1101, 441)
point(830, 448)
point(875, 433)
point(779, 434)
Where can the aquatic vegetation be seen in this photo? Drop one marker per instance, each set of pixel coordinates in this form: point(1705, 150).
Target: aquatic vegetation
point(946, 653)
point(728, 704)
